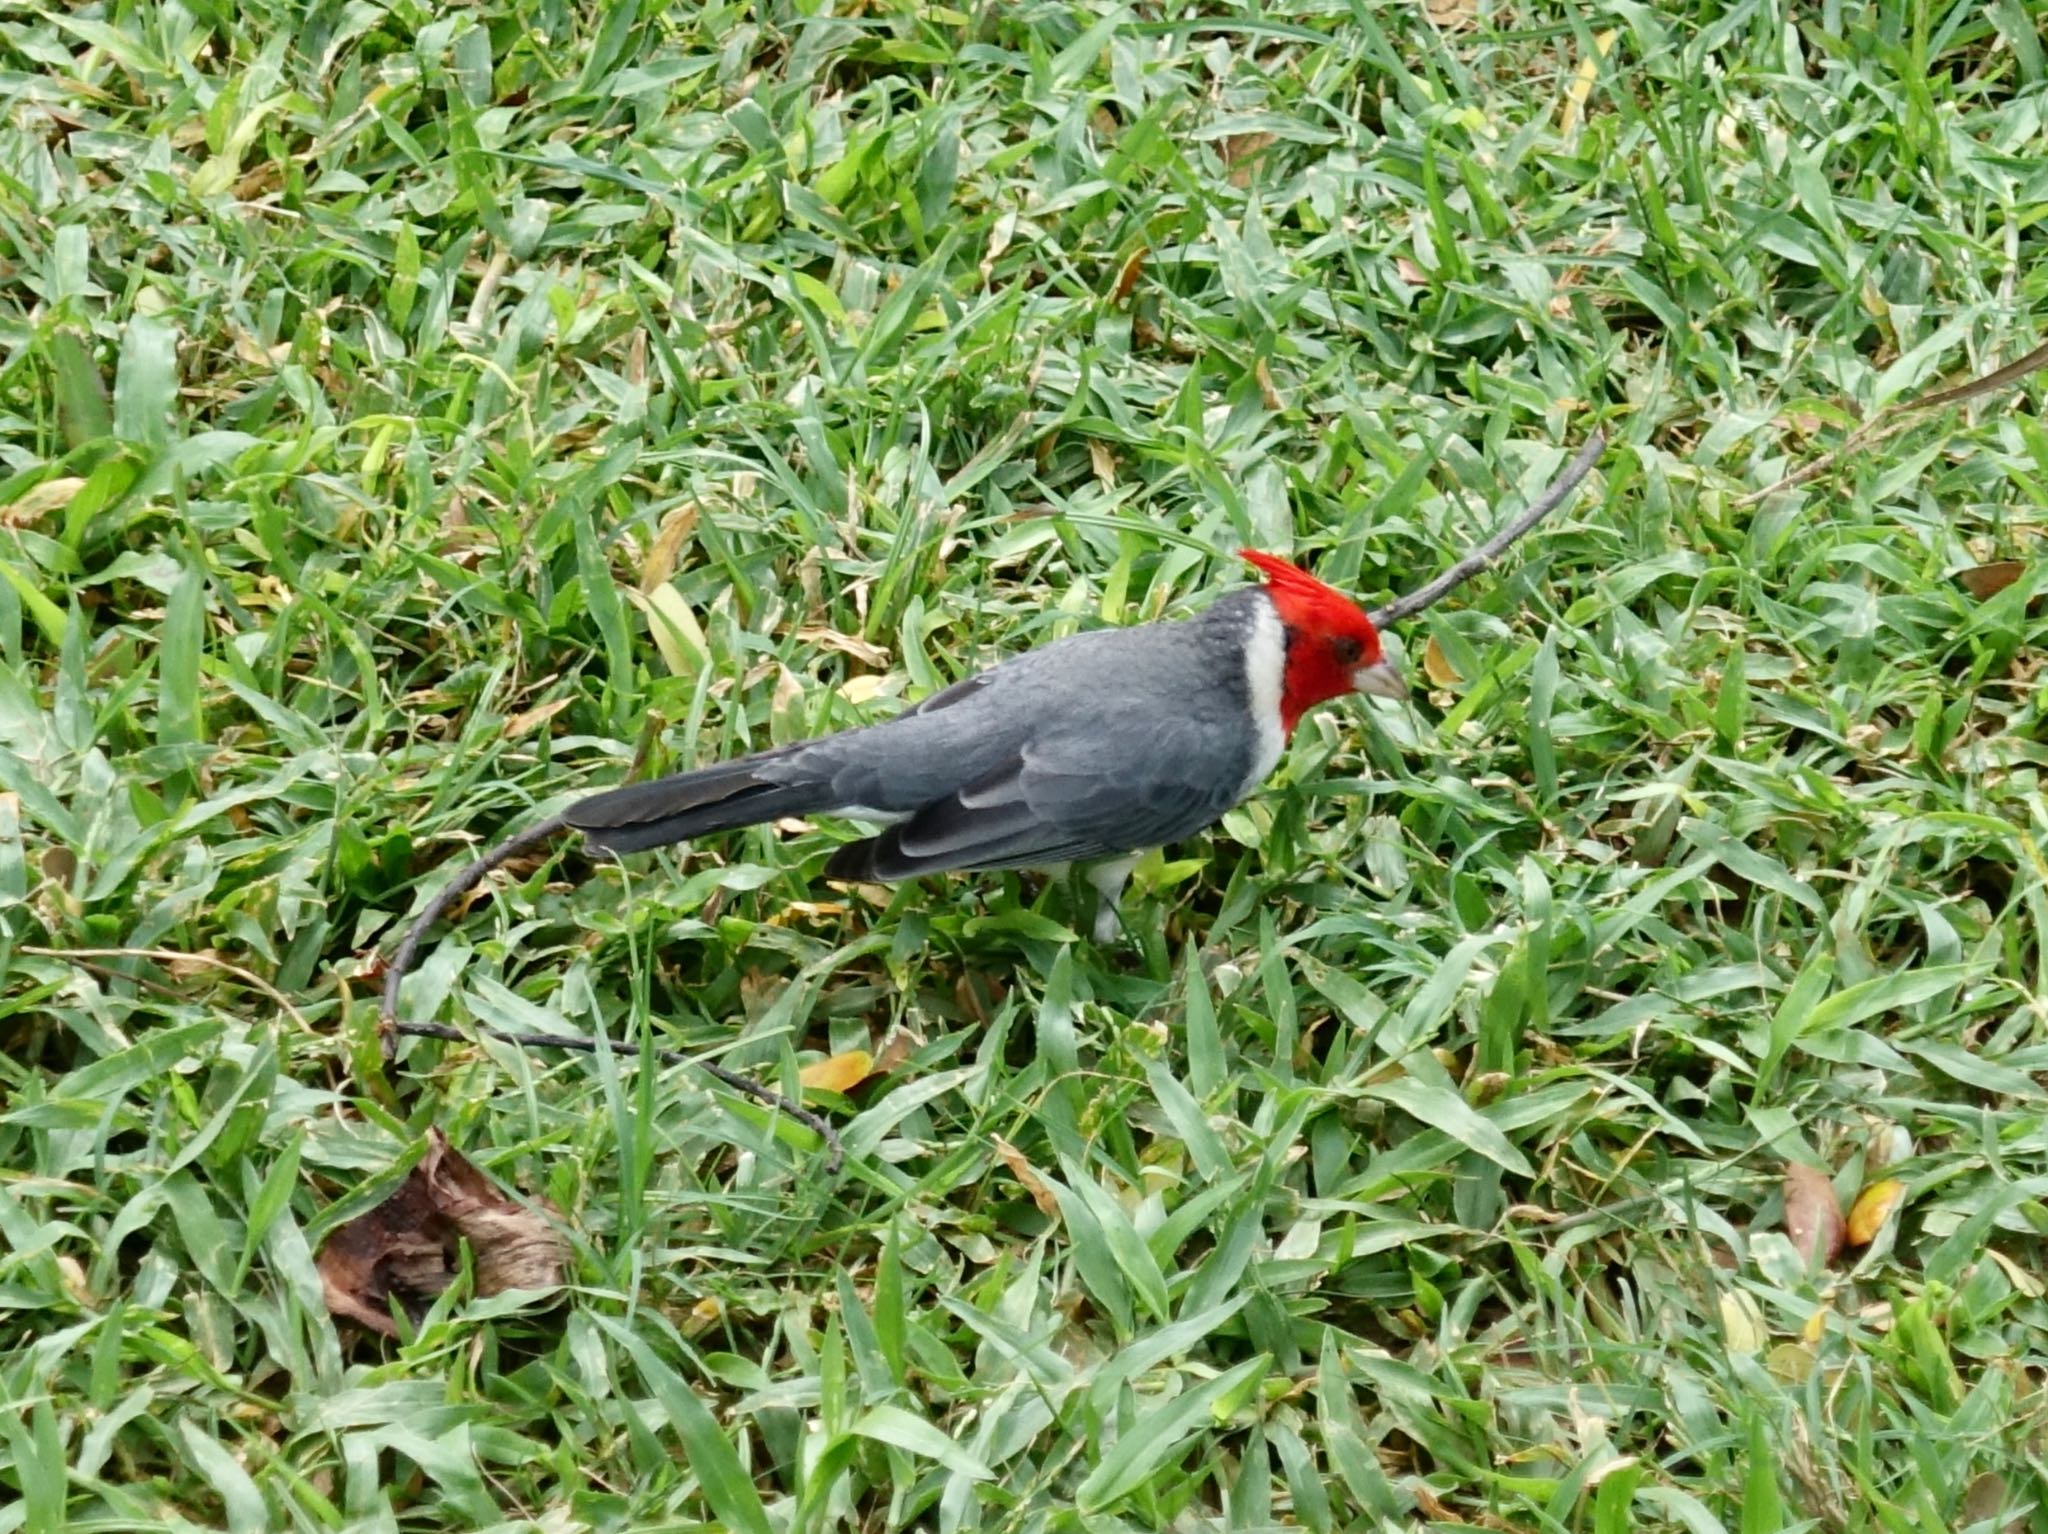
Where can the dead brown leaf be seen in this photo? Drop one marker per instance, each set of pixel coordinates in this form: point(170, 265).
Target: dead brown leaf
point(898, 1045)
point(1986, 581)
point(1127, 275)
point(406, 1248)
point(1102, 461)
point(1241, 151)
point(1813, 1215)
point(1983, 1499)
point(1410, 273)
point(669, 539)
point(1268, 395)
point(1028, 1178)
point(1452, 15)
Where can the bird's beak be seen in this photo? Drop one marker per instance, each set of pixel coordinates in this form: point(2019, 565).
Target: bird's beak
point(1380, 680)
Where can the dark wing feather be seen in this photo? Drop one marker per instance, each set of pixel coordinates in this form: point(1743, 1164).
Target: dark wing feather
point(1054, 802)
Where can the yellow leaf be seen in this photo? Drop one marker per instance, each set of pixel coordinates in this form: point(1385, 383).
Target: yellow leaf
point(838, 1073)
point(1743, 1323)
point(1791, 1362)
point(677, 633)
point(1582, 84)
point(1437, 666)
point(861, 689)
point(1874, 1205)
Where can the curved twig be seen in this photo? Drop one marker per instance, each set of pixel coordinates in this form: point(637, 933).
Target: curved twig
point(1492, 549)
point(468, 879)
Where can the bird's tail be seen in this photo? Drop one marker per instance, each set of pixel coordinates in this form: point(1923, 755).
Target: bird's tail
point(721, 797)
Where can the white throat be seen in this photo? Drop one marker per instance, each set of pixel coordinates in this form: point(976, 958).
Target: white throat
point(1265, 667)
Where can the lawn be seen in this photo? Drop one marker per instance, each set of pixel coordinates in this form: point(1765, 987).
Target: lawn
point(414, 418)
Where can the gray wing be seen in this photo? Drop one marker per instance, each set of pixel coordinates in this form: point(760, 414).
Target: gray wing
point(1058, 801)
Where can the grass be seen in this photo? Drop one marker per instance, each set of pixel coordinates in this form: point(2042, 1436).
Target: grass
point(413, 419)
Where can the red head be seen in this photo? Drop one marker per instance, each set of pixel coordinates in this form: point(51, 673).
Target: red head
point(1332, 646)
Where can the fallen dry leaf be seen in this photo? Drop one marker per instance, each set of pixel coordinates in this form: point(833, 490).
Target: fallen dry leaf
point(862, 689)
point(1813, 1215)
point(787, 701)
point(1791, 1362)
point(1986, 581)
point(38, 501)
point(900, 1043)
point(1410, 273)
point(838, 1073)
point(1983, 1499)
point(864, 651)
point(1127, 275)
point(1027, 1177)
point(1241, 151)
point(1268, 395)
point(406, 1248)
point(1102, 461)
point(1437, 666)
point(520, 724)
point(1874, 1205)
point(1452, 15)
point(669, 539)
point(795, 911)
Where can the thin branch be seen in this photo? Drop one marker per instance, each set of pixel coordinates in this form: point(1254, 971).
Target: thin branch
point(1491, 550)
point(469, 879)
point(172, 956)
point(452, 891)
point(745, 1085)
point(1893, 419)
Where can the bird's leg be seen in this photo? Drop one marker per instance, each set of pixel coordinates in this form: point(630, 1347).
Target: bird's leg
point(1109, 880)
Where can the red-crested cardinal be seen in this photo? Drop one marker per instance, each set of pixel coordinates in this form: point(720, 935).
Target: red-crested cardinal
point(1094, 747)
point(1090, 749)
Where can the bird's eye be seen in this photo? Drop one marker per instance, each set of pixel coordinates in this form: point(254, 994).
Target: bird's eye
point(1347, 650)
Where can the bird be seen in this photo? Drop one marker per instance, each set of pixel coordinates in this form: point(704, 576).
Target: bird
point(1089, 750)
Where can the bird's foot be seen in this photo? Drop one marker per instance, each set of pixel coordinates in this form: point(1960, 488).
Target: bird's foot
point(1109, 880)
point(1109, 924)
